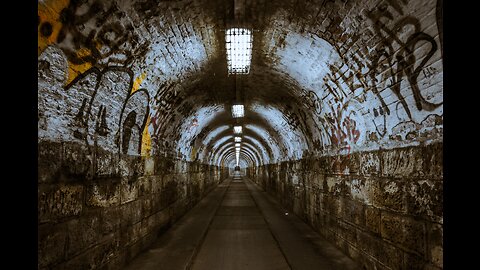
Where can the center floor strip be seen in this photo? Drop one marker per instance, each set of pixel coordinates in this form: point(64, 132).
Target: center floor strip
point(239, 237)
point(239, 226)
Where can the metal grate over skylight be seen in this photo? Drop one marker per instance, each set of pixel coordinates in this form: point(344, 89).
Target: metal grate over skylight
point(239, 50)
point(237, 129)
point(238, 139)
point(237, 111)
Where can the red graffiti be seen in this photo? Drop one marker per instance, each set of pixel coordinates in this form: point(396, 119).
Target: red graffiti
point(343, 130)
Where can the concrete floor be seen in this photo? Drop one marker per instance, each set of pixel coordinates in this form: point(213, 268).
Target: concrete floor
point(237, 226)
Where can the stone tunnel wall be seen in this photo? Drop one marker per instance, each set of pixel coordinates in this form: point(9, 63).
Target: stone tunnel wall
point(142, 55)
point(109, 84)
point(382, 208)
point(369, 75)
point(373, 183)
point(100, 210)
point(105, 187)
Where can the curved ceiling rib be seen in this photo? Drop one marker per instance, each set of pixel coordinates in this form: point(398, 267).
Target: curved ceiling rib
point(229, 146)
point(289, 131)
point(260, 148)
point(243, 163)
point(243, 156)
point(259, 158)
point(263, 155)
point(229, 143)
point(245, 147)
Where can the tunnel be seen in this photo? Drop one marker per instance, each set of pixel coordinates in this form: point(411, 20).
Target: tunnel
point(240, 134)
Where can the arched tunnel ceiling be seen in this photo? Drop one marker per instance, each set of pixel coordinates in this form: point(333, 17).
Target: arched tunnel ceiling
point(247, 149)
point(327, 77)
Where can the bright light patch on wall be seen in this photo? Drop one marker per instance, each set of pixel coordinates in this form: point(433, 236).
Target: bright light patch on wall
point(239, 50)
point(237, 129)
point(237, 111)
point(238, 139)
point(237, 157)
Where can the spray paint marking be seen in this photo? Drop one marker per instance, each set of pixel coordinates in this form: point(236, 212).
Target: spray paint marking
point(138, 81)
point(146, 149)
point(49, 26)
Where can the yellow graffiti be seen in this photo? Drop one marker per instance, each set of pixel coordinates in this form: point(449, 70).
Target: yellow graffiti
point(49, 13)
point(146, 148)
point(75, 70)
point(138, 81)
point(146, 141)
point(194, 153)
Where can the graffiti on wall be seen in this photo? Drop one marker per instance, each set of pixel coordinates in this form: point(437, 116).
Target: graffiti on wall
point(392, 81)
point(395, 56)
point(90, 33)
point(163, 103)
point(168, 106)
point(343, 130)
point(311, 100)
point(99, 45)
point(99, 107)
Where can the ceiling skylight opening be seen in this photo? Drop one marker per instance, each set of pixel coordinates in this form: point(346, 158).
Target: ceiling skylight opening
point(238, 139)
point(239, 50)
point(237, 111)
point(237, 157)
point(237, 129)
point(237, 145)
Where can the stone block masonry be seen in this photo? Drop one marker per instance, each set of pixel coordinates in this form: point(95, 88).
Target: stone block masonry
point(386, 215)
point(103, 209)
